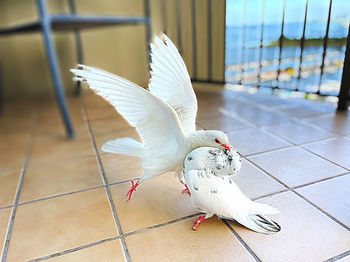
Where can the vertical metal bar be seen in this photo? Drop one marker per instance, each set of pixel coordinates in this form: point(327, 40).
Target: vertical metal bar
point(243, 40)
point(302, 43)
point(164, 16)
point(344, 94)
point(281, 43)
point(261, 41)
point(147, 13)
point(178, 24)
point(78, 44)
point(325, 43)
point(51, 55)
point(209, 41)
point(194, 40)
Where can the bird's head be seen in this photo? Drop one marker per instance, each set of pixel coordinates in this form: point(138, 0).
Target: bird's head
point(234, 161)
point(218, 139)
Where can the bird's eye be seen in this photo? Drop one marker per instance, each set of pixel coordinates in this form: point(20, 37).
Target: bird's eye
point(217, 140)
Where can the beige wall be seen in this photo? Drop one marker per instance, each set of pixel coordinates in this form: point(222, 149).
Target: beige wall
point(119, 49)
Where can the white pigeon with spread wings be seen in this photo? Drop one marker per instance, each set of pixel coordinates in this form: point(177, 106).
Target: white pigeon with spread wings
point(164, 142)
point(208, 173)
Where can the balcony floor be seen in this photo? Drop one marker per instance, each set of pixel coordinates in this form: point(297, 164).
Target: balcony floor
point(65, 200)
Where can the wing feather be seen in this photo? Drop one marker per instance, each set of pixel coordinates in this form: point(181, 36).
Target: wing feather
point(156, 122)
point(171, 82)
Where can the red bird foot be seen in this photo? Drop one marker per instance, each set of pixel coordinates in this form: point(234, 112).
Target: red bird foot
point(186, 190)
point(197, 222)
point(132, 189)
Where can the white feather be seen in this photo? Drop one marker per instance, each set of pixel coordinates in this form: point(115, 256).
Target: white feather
point(164, 145)
point(124, 146)
point(214, 194)
point(171, 82)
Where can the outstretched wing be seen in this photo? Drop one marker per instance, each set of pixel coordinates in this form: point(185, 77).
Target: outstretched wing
point(156, 122)
point(171, 82)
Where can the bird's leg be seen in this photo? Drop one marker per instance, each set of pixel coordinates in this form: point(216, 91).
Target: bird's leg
point(200, 220)
point(197, 222)
point(132, 189)
point(186, 190)
point(182, 180)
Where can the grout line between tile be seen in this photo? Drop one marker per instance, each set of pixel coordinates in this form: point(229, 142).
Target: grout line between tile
point(75, 249)
point(318, 140)
point(59, 195)
point(300, 186)
point(19, 187)
point(338, 257)
point(270, 194)
point(267, 173)
point(6, 207)
point(65, 194)
point(270, 150)
point(301, 147)
point(241, 241)
point(105, 182)
point(292, 189)
point(323, 158)
point(321, 180)
point(114, 238)
point(298, 144)
point(323, 211)
point(235, 115)
point(161, 225)
point(11, 169)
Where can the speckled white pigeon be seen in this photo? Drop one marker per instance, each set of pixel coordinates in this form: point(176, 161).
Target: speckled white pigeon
point(164, 117)
point(208, 173)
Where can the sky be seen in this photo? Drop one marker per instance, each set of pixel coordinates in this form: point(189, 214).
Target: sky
point(295, 9)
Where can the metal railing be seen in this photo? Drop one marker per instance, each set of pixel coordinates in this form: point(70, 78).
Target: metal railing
point(272, 67)
point(289, 73)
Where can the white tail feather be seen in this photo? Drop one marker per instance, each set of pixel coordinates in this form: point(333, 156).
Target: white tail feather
point(263, 209)
point(123, 146)
point(261, 224)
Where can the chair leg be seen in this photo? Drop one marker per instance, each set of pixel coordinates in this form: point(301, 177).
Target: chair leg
point(57, 83)
point(78, 44)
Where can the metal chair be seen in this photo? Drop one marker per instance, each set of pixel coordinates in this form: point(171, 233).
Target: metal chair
point(70, 22)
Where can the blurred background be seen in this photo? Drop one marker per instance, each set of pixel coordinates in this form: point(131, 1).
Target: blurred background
point(303, 41)
point(121, 49)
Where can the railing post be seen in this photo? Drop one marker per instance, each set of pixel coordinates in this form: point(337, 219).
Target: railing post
point(325, 43)
point(281, 45)
point(344, 94)
point(302, 43)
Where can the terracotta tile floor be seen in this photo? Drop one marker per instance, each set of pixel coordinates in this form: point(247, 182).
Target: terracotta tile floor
point(64, 200)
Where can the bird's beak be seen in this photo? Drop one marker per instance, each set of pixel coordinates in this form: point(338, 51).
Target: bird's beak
point(227, 146)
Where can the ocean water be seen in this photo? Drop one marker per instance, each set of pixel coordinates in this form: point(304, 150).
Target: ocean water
point(245, 59)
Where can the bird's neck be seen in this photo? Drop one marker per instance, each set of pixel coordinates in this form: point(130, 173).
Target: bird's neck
point(195, 140)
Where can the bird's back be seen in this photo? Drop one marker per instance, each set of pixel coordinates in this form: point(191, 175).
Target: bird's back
point(216, 193)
